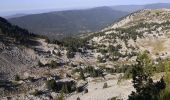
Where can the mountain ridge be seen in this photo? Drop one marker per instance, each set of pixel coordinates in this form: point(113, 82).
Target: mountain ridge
point(60, 24)
point(70, 22)
point(133, 8)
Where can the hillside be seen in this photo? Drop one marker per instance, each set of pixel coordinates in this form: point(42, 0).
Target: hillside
point(133, 8)
point(117, 48)
point(15, 15)
point(68, 23)
point(13, 54)
point(97, 66)
point(140, 31)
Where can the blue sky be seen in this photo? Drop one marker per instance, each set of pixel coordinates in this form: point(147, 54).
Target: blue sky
point(24, 5)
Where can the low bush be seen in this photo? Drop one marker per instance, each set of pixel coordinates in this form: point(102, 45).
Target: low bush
point(17, 78)
point(51, 84)
point(105, 85)
point(37, 93)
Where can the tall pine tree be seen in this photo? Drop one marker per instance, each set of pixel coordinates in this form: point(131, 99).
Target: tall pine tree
point(146, 89)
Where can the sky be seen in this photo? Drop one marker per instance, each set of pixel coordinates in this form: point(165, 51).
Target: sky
point(22, 6)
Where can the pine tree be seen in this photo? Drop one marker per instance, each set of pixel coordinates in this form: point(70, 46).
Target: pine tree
point(82, 74)
point(51, 84)
point(64, 89)
point(146, 89)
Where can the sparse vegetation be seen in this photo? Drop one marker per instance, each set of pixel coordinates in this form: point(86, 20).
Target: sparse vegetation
point(64, 87)
point(52, 64)
point(73, 44)
point(93, 72)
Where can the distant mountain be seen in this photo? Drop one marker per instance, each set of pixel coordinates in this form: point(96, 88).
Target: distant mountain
point(128, 8)
point(133, 8)
point(13, 34)
point(57, 25)
point(15, 15)
point(157, 6)
point(60, 24)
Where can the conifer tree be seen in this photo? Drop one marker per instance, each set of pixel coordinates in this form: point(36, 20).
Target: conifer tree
point(146, 89)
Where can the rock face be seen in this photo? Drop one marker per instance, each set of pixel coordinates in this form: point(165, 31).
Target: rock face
point(14, 60)
point(15, 57)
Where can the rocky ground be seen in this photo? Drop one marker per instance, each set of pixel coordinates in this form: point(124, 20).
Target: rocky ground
point(116, 88)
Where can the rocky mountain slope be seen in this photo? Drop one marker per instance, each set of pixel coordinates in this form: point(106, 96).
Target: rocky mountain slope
point(14, 56)
point(97, 66)
point(143, 30)
point(117, 47)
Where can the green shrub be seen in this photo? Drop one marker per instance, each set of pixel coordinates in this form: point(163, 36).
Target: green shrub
point(31, 79)
point(105, 85)
point(113, 98)
point(86, 91)
point(64, 89)
point(54, 64)
point(40, 64)
point(70, 54)
point(51, 84)
point(93, 72)
point(82, 74)
point(36, 93)
point(165, 94)
point(78, 98)
point(61, 97)
point(100, 59)
point(17, 78)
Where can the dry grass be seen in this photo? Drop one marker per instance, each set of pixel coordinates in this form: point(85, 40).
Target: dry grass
point(123, 62)
point(157, 45)
point(167, 34)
